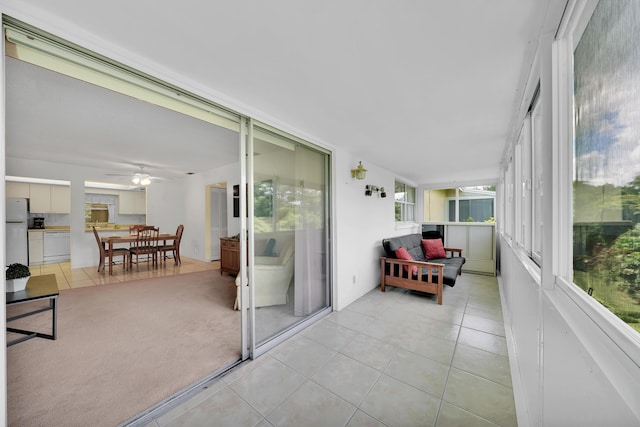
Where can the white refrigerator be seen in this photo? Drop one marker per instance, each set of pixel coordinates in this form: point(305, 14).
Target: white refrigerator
point(16, 233)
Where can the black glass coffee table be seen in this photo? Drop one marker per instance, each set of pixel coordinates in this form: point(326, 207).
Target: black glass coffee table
point(38, 288)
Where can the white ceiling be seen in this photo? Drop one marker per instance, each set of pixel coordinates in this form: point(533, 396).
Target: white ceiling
point(429, 90)
point(52, 117)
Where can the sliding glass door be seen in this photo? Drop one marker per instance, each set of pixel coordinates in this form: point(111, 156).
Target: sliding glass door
point(289, 279)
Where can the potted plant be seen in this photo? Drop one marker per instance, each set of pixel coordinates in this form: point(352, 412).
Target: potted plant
point(17, 276)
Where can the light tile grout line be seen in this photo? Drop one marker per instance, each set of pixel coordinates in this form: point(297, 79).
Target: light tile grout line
point(455, 348)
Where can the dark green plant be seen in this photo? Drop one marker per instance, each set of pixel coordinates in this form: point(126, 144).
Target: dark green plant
point(17, 271)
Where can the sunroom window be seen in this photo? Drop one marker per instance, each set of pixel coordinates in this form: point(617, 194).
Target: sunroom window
point(606, 181)
point(464, 204)
point(405, 206)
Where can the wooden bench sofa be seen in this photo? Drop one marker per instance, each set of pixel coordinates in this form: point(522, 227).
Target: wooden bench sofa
point(428, 274)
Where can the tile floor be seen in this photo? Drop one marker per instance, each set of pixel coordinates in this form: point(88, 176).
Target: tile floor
point(388, 359)
point(68, 278)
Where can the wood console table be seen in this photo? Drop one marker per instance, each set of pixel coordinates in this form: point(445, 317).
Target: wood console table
point(38, 288)
point(229, 255)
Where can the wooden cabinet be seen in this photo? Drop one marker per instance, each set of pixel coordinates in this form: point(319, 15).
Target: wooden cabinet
point(39, 198)
point(36, 248)
point(60, 199)
point(229, 256)
point(44, 198)
point(17, 189)
point(132, 203)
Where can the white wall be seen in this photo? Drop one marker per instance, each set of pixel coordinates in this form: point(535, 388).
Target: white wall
point(478, 245)
point(183, 202)
point(361, 223)
point(562, 380)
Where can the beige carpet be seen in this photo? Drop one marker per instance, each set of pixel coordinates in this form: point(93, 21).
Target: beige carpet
point(121, 348)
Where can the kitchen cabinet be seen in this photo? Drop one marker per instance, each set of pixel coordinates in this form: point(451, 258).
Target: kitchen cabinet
point(60, 199)
point(132, 203)
point(229, 256)
point(36, 248)
point(17, 189)
point(39, 198)
point(45, 198)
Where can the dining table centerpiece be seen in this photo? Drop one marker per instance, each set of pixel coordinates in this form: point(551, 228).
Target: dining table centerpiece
point(17, 276)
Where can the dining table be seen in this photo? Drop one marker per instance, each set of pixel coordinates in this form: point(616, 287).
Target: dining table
point(110, 241)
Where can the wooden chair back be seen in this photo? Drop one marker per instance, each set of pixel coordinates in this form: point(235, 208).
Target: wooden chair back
point(179, 234)
point(100, 244)
point(134, 228)
point(147, 240)
point(146, 244)
point(174, 248)
point(123, 252)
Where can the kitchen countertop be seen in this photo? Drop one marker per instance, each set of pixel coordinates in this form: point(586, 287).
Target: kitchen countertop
point(52, 228)
point(103, 227)
point(110, 227)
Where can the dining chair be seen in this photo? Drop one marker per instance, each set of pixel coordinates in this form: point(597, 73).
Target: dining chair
point(146, 244)
point(133, 229)
point(104, 252)
point(174, 248)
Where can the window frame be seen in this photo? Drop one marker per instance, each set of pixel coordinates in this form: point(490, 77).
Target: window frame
point(509, 209)
point(537, 180)
point(457, 199)
point(623, 335)
point(404, 204)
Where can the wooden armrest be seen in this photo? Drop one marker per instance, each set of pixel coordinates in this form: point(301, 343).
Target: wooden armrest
point(410, 262)
point(429, 279)
point(454, 250)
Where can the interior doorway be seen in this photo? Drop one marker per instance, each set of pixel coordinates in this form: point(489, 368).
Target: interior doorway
point(217, 218)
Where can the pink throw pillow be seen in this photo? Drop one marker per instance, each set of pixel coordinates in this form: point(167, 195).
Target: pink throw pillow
point(402, 253)
point(433, 249)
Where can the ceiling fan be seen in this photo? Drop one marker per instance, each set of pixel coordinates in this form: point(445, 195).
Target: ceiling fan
point(139, 178)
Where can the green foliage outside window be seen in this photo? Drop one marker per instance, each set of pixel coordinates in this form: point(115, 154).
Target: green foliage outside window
point(606, 187)
point(607, 253)
point(405, 196)
point(278, 207)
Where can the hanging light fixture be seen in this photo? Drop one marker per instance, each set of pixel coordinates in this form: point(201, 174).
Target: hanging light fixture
point(359, 172)
point(141, 178)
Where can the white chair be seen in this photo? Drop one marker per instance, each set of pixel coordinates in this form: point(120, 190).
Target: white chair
point(272, 277)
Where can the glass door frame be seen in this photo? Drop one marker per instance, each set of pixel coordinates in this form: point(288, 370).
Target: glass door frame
point(247, 244)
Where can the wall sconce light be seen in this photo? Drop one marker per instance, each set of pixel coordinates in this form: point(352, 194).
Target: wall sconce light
point(370, 189)
point(359, 173)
